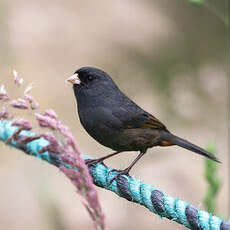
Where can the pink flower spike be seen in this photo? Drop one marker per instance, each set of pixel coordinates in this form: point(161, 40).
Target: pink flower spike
point(46, 122)
point(53, 146)
point(71, 154)
point(68, 136)
point(4, 114)
point(2, 89)
point(17, 79)
point(33, 104)
point(67, 159)
point(75, 177)
point(27, 139)
point(19, 103)
point(50, 137)
point(50, 113)
point(28, 88)
point(3, 94)
point(24, 124)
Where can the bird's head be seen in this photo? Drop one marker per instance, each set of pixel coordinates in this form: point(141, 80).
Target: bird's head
point(91, 82)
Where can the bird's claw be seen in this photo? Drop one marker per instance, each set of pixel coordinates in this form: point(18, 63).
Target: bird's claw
point(90, 162)
point(119, 173)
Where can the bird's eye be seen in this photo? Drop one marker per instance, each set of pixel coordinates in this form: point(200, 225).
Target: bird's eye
point(90, 78)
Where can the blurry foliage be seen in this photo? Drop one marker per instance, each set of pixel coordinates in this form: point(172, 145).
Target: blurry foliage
point(197, 1)
point(214, 182)
point(218, 8)
point(202, 40)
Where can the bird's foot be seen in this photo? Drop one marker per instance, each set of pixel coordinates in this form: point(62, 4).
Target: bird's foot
point(119, 173)
point(90, 162)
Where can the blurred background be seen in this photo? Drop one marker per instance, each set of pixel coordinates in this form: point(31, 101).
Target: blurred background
point(168, 56)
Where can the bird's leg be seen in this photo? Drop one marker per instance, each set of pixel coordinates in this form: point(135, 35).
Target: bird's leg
point(90, 162)
point(126, 171)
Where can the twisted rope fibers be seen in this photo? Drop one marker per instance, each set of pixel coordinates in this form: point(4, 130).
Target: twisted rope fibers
point(125, 186)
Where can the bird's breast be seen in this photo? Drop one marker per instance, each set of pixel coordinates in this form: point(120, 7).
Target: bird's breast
point(100, 124)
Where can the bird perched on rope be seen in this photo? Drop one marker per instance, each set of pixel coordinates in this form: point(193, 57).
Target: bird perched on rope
point(115, 121)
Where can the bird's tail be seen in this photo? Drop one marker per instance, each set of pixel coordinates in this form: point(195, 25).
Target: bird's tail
point(170, 139)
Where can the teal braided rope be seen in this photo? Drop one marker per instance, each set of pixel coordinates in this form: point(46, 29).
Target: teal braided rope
point(125, 186)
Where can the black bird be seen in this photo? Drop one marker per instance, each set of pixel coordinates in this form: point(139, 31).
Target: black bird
point(115, 121)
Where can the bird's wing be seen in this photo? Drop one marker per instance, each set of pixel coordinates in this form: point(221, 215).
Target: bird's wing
point(153, 122)
point(133, 117)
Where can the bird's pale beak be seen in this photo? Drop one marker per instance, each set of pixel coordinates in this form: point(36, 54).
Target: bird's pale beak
point(74, 79)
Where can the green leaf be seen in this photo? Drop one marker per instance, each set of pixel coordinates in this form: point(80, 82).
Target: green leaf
point(214, 182)
point(196, 1)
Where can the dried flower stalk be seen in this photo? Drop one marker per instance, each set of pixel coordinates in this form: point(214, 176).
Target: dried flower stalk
point(66, 148)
